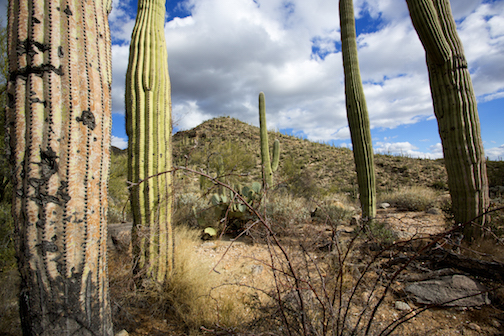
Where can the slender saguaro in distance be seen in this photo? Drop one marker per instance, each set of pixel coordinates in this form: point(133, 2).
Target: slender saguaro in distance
point(357, 114)
point(59, 120)
point(456, 110)
point(268, 167)
point(148, 125)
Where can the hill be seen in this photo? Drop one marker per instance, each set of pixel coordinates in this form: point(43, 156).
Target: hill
point(323, 168)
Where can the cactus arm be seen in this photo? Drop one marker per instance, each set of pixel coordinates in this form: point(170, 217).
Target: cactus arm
point(148, 116)
point(357, 114)
point(276, 155)
point(456, 110)
point(265, 155)
point(59, 119)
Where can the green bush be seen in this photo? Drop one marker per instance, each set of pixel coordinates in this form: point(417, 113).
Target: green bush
point(118, 192)
point(7, 248)
point(193, 211)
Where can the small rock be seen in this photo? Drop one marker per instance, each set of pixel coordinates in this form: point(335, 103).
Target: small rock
point(495, 323)
point(434, 211)
point(474, 326)
point(257, 269)
point(384, 205)
point(403, 306)
point(345, 229)
point(208, 244)
point(122, 333)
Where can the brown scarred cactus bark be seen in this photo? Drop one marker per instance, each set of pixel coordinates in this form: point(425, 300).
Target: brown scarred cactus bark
point(59, 119)
point(455, 108)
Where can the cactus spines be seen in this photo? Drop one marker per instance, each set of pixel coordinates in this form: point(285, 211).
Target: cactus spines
point(268, 167)
point(357, 114)
point(148, 125)
point(59, 119)
point(455, 108)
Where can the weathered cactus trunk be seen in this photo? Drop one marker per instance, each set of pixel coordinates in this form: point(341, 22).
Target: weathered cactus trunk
point(148, 125)
point(268, 167)
point(59, 119)
point(357, 114)
point(455, 108)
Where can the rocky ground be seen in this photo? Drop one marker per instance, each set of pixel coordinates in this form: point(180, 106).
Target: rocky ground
point(245, 262)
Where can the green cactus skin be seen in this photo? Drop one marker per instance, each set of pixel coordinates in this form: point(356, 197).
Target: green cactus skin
point(456, 110)
point(357, 114)
point(268, 168)
point(59, 123)
point(148, 125)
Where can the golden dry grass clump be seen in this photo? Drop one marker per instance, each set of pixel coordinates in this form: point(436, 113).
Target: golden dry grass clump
point(197, 295)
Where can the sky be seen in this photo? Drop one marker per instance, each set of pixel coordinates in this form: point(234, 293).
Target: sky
point(222, 53)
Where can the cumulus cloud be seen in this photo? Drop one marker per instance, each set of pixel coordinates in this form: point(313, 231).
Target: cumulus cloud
point(119, 142)
point(226, 51)
point(495, 153)
point(407, 149)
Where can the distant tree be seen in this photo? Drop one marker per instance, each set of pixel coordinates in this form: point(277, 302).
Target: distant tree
point(59, 120)
point(357, 114)
point(456, 110)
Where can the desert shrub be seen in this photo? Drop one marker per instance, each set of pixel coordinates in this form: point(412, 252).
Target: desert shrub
point(334, 210)
point(7, 251)
point(118, 190)
point(379, 231)
point(297, 178)
point(284, 210)
point(192, 210)
point(415, 198)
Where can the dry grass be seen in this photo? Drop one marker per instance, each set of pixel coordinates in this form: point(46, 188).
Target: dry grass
point(194, 295)
point(417, 198)
point(194, 291)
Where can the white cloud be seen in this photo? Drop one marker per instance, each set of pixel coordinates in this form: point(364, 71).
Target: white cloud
point(119, 142)
point(227, 51)
point(495, 153)
point(407, 149)
point(188, 115)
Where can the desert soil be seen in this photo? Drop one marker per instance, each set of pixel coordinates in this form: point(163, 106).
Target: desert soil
point(245, 262)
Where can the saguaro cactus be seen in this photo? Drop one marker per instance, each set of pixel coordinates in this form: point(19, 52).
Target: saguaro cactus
point(148, 125)
point(59, 119)
point(455, 108)
point(357, 114)
point(268, 167)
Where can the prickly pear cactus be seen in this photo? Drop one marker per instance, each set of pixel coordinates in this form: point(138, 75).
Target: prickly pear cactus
point(456, 110)
point(268, 167)
point(59, 119)
point(148, 125)
point(357, 114)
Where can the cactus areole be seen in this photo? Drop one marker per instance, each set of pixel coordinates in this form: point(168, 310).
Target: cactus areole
point(148, 125)
point(456, 110)
point(59, 119)
point(357, 114)
point(268, 167)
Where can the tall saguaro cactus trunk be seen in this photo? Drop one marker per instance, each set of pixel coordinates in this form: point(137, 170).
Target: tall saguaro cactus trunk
point(59, 119)
point(357, 114)
point(148, 125)
point(268, 167)
point(455, 108)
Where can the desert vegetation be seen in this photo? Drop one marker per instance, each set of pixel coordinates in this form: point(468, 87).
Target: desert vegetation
point(201, 233)
point(227, 284)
